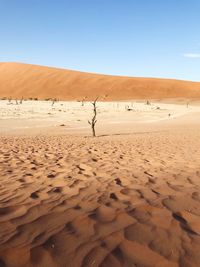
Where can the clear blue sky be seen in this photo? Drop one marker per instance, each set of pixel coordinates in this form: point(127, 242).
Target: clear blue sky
point(152, 38)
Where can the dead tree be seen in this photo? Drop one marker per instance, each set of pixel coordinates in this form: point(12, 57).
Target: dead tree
point(94, 120)
point(53, 101)
point(83, 100)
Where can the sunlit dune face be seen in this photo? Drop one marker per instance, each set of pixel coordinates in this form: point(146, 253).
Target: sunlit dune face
point(31, 81)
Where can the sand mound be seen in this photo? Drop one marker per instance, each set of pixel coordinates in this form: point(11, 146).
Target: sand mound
point(31, 81)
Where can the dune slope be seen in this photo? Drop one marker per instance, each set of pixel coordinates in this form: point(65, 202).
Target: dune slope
point(17, 80)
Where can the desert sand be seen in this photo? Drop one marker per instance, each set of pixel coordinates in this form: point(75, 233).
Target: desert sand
point(71, 117)
point(129, 197)
point(32, 81)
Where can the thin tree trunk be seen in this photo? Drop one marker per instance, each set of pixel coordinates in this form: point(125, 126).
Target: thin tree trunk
point(93, 121)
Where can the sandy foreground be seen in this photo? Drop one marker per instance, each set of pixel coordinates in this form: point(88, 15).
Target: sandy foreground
point(129, 197)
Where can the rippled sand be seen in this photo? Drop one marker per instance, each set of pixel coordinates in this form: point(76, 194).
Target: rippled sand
point(131, 198)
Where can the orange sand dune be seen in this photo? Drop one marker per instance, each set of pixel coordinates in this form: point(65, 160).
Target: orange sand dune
point(17, 80)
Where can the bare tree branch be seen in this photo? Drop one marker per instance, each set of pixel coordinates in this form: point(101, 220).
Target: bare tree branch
point(94, 120)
